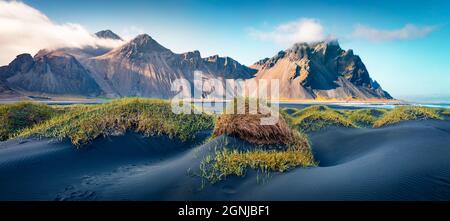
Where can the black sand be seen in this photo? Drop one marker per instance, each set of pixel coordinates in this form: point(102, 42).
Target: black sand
point(409, 161)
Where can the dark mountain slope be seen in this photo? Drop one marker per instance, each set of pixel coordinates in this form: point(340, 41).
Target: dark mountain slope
point(320, 70)
point(53, 72)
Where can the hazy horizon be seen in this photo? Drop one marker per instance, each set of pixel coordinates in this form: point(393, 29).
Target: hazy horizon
point(403, 43)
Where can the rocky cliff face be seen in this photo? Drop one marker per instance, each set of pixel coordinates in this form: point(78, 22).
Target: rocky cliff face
point(49, 72)
point(320, 70)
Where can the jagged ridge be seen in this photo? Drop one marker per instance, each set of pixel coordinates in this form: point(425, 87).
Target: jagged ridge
point(320, 70)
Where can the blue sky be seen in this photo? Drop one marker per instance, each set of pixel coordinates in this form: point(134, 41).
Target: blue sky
point(404, 44)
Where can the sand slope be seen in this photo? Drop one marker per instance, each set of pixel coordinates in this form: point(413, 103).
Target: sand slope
point(408, 161)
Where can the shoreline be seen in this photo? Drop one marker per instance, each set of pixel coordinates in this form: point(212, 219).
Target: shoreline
point(343, 103)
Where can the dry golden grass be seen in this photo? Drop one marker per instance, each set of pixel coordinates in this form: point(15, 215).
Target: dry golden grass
point(295, 145)
point(248, 127)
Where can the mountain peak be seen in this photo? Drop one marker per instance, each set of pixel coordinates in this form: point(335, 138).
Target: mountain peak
point(145, 43)
point(108, 34)
point(143, 37)
point(316, 45)
point(191, 55)
point(329, 48)
point(138, 48)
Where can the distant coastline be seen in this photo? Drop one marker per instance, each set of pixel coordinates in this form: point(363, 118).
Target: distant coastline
point(370, 103)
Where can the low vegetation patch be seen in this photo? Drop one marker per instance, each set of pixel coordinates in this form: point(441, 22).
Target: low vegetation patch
point(234, 162)
point(405, 113)
point(248, 127)
point(84, 123)
point(290, 111)
point(310, 109)
point(294, 148)
point(17, 116)
point(315, 118)
point(446, 111)
point(365, 117)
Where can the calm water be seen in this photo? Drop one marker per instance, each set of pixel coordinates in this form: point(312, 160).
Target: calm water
point(435, 105)
point(218, 106)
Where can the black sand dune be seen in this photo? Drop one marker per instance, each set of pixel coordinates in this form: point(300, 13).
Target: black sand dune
point(408, 161)
point(49, 170)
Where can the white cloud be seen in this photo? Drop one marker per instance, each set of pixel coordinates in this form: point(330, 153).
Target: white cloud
point(24, 29)
point(408, 31)
point(302, 30)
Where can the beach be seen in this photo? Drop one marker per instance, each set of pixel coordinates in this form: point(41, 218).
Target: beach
point(407, 161)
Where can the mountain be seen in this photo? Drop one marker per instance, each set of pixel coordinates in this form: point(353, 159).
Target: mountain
point(320, 71)
point(53, 72)
point(108, 34)
point(143, 67)
point(87, 52)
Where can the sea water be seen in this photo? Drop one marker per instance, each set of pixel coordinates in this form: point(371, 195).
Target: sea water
point(217, 107)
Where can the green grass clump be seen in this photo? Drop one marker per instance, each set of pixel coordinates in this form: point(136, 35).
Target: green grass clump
point(310, 109)
point(83, 123)
point(405, 113)
point(365, 117)
point(289, 111)
point(233, 162)
point(315, 118)
point(17, 116)
point(446, 111)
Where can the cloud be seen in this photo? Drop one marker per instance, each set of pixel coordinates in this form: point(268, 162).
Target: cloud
point(301, 30)
point(24, 29)
point(408, 31)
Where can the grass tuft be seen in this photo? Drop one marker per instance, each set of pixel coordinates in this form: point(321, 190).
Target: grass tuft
point(17, 116)
point(247, 126)
point(365, 117)
point(405, 113)
point(315, 118)
point(84, 123)
point(446, 111)
point(234, 162)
